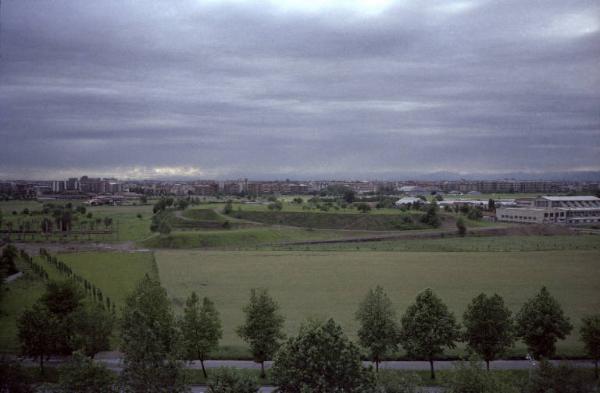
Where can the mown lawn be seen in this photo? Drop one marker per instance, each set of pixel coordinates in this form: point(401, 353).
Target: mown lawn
point(331, 284)
point(115, 273)
point(125, 218)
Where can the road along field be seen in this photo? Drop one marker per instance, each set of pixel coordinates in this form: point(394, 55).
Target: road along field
point(331, 284)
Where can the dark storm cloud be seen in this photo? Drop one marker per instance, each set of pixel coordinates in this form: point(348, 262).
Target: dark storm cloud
point(223, 89)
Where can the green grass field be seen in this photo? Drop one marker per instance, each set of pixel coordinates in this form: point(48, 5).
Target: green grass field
point(129, 225)
point(116, 274)
point(323, 285)
point(19, 295)
point(126, 223)
point(358, 221)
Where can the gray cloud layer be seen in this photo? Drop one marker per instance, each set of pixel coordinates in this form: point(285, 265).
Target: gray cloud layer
point(224, 89)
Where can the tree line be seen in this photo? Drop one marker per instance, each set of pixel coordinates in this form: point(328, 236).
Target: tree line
point(89, 288)
point(321, 358)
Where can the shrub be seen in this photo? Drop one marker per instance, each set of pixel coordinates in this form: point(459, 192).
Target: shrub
point(363, 207)
point(13, 378)
point(228, 209)
point(461, 227)
point(82, 375)
point(321, 359)
point(471, 377)
point(556, 379)
point(393, 382)
point(227, 380)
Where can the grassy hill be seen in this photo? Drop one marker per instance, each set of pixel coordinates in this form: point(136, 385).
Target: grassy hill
point(356, 221)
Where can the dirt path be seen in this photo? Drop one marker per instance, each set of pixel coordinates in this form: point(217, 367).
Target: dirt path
point(34, 248)
point(520, 230)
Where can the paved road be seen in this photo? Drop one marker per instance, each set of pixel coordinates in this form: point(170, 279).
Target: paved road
point(113, 361)
point(269, 389)
point(13, 277)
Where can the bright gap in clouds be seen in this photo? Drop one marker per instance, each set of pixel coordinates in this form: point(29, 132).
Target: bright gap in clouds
point(365, 7)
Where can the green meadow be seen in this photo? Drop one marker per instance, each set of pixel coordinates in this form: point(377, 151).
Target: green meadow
point(331, 284)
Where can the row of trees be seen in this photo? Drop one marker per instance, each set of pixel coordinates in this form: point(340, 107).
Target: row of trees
point(89, 288)
point(60, 322)
point(427, 327)
point(320, 358)
point(425, 330)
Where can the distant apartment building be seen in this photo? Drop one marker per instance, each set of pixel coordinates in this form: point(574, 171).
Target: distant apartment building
point(504, 186)
point(206, 189)
point(59, 186)
point(566, 210)
point(72, 184)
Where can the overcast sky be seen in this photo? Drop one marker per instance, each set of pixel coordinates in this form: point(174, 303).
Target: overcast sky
point(337, 89)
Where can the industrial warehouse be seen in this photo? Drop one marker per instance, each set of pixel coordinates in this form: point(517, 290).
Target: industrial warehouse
point(567, 210)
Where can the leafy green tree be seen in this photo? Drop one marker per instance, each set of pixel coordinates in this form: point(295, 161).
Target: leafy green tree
point(8, 260)
point(62, 297)
point(107, 221)
point(227, 380)
point(590, 335)
point(378, 331)
point(82, 375)
point(263, 327)
point(461, 226)
point(164, 228)
point(475, 213)
point(541, 322)
point(489, 327)
point(428, 327)
point(150, 342)
point(182, 204)
point(363, 207)
point(349, 195)
point(38, 332)
point(228, 209)
point(201, 329)
point(277, 205)
point(321, 359)
point(431, 216)
point(92, 328)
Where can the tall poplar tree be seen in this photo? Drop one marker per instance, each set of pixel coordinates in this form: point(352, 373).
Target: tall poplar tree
point(489, 327)
point(541, 322)
point(378, 331)
point(150, 342)
point(263, 327)
point(428, 327)
point(200, 328)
